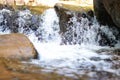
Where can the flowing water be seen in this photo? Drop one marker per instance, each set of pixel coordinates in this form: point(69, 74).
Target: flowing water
point(73, 60)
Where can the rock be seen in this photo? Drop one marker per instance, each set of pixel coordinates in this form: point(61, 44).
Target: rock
point(113, 9)
point(13, 20)
point(16, 46)
point(7, 6)
point(67, 19)
point(34, 23)
point(64, 16)
point(65, 23)
point(108, 12)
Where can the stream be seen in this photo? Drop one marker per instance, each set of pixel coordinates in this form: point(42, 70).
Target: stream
point(72, 60)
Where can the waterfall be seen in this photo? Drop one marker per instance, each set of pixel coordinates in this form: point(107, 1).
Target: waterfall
point(88, 32)
point(49, 28)
point(84, 57)
point(83, 33)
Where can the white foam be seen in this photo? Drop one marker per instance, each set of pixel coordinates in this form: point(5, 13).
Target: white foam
point(67, 59)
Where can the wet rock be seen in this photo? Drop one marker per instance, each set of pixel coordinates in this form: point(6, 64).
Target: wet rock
point(116, 52)
point(67, 17)
point(113, 9)
point(64, 16)
point(34, 22)
point(7, 6)
point(69, 20)
point(105, 76)
point(108, 12)
point(16, 46)
point(104, 39)
point(95, 58)
point(64, 21)
point(16, 70)
point(12, 19)
point(90, 16)
point(10, 22)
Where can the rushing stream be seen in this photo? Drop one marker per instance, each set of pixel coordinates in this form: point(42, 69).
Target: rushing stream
point(73, 60)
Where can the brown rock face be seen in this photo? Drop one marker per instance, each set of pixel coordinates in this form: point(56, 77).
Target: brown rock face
point(67, 23)
point(16, 46)
point(66, 13)
point(113, 8)
point(108, 12)
point(64, 16)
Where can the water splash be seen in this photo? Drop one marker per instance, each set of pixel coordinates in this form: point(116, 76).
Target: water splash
point(89, 32)
point(49, 28)
point(86, 58)
point(80, 32)
point(79, 59)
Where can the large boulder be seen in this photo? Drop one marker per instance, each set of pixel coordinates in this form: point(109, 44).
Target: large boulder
point(67, 19)
point(108, 12)
point(70, 20)
point(66, 13)
point(16, 46)
point(64, 16)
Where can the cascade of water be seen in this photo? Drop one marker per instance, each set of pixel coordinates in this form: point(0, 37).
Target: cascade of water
point(3, 22)
point(67, 59)
point(80, 32)
point(49, 27)
point(83, 31)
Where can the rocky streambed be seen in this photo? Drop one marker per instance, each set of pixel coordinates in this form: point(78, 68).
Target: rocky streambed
point(70, 45)
point(13, 69)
